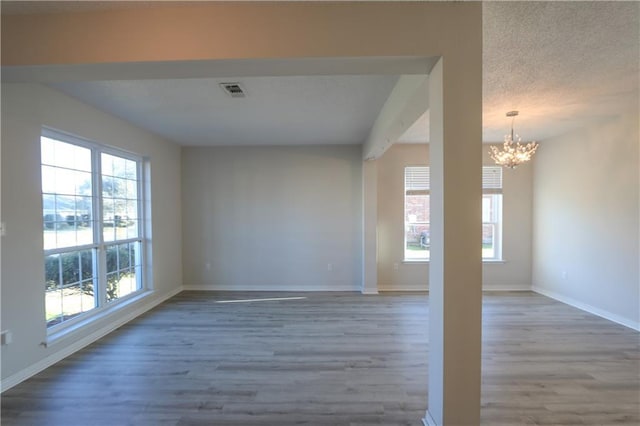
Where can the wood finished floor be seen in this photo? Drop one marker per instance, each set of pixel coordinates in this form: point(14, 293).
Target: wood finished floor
point(332, 359)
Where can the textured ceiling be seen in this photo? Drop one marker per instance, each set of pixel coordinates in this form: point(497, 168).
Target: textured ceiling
point(561, 64)
point(276, 110)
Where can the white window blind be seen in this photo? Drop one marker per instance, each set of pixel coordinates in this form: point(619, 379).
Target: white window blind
point(492, 180)
point(416, 180)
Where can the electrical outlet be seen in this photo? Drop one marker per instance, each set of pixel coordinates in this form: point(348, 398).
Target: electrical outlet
point(329, 267)
point(3, 229)
point(395, 266)
point(564, 275)
point(208, 266)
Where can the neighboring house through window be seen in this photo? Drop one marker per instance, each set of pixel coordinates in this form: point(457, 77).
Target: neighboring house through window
point(92, 226)
point(417, 238)
point(416, 213)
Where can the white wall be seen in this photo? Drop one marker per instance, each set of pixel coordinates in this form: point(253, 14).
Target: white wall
point(272, 218)
point(586, 214)
point(25, 109)
point(408, 276)
point(512, 274)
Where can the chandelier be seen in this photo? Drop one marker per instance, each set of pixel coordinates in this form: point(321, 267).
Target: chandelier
point(513, 152)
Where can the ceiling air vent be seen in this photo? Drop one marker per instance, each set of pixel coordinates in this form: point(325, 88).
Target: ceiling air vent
point(233, 89)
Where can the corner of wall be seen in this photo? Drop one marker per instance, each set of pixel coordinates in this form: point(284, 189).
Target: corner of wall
point(75, 346)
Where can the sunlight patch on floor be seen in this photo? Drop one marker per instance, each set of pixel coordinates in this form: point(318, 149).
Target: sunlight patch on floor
point(269, 299)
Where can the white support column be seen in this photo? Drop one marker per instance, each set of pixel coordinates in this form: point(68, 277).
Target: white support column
point(369, 227)
point(455, 272)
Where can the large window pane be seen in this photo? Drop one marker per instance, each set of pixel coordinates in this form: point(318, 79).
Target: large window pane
point(120, 198)
point(83, 183)
point(131, 170)
point(70, 213)
point(66, 198)
point(132, 229)
point(417, 213)
point(65, 181)
point(53, 306)
point(71, 301)
point(52, 272)
point(70, 268)
point(119, 166)
point(491, 226)
point(132, 209)
point(488, 241)
point(121, 284)
point(417, 208)
point(124, 257)
point(66, 221)
point(123, 266)
point(47, 151)
point(417, 240)
point(48, 179)
point(69, 285)
point(119, 169)
point(417, 237)
point(63, 154)
point(132, 189)
point(113, 187)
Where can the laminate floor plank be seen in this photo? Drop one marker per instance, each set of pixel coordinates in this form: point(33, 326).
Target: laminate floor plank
point(332, 359)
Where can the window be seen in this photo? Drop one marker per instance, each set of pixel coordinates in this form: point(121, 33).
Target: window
point(492, 213)
point(416, 213)
point(92, 226)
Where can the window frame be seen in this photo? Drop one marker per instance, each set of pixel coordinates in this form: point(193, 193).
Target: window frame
point(498, 224)
point(99, 245)
point(406, 223)
point(494, 187)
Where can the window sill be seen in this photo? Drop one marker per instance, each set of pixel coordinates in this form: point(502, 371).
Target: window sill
point(55, 334)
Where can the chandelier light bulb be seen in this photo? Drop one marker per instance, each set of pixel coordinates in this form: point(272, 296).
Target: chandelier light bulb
point(513, 152)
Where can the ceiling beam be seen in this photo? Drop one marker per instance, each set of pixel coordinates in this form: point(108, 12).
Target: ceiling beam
point(408, 101)
point(379, 65)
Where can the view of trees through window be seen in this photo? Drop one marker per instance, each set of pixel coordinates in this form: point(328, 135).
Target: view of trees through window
point(417, 238)
point(491, 225)
point(91, 228)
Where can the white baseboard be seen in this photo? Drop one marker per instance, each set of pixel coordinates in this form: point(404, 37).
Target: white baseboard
point(485, 287)
point(588, 308)
point(118, 321)
point(369, 291)
point(506, 287)
point(266, 288)
point(402, 290)
point(402, 287)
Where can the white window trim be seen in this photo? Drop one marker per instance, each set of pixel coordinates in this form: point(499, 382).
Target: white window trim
point(497, 233)
point(495, 187)
point(499, 259)
point(404, 215)
point(55, 333)
point(104, 308)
